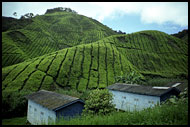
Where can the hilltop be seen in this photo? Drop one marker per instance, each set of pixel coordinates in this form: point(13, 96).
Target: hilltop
point(182, 35)
point(28, 38)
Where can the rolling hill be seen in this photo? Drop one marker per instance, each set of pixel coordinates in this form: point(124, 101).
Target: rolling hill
point(95, 65)
point(29, 38)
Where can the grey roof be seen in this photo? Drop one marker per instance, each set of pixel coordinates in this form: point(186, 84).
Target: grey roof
point(181, 87)
point(51, 100)
point(140, 89)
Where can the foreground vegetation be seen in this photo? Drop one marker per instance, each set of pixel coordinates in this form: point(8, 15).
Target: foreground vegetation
point(15, 121)
point(172, 112)
point(14, 104)
point(166, 114)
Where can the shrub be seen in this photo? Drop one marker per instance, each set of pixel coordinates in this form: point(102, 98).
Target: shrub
point(99, 102)
point(132, 78)
point(14, 103)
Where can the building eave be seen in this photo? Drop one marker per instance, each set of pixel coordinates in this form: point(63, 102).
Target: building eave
point(63, 106)
point(136, 93)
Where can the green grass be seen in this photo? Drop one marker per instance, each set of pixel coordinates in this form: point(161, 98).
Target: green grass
point(14, 121)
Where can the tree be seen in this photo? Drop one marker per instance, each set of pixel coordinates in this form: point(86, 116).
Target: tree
point(15, 14)
point(22, 17)
point(99, 102)
point(28, 15)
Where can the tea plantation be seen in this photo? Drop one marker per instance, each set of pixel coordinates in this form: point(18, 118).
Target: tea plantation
point(95, 65)
point(68, 51)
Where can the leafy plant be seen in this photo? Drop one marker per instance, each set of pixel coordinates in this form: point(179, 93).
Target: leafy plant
point(132, 78)
point(99, 102)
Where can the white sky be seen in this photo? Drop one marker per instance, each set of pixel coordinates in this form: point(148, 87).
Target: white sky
point(149, 12)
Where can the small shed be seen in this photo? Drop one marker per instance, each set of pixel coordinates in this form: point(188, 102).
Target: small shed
point(46, 106)
point(137, 97)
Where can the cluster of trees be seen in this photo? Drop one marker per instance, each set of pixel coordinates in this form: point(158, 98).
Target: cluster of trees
point(60, 9)
point(26, 16)
point(181, 34)
point(119, 32)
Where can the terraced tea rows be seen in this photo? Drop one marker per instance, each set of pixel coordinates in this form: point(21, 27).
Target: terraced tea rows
point(49, 33)
point(88, 66)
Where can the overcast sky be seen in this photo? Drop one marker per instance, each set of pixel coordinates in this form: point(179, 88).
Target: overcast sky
point(169, 17)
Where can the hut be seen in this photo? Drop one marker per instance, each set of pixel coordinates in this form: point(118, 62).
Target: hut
point(137, 97)
point(46, 107)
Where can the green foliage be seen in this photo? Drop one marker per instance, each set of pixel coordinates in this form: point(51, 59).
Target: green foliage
point(48, 33)
point(132, 78)
point(9, 23)
point(14, 103)
point(96, 65)
point(161, 81)
point(15, 121)
point(60, 9)
point(182, 35)
point(181, 98)
point(98, 102)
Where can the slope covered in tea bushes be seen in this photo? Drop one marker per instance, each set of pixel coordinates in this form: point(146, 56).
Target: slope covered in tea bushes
point(96, 65)
point(48, 33)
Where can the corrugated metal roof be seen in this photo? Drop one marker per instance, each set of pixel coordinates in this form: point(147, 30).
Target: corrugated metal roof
point(139, 89)
point(51, 100)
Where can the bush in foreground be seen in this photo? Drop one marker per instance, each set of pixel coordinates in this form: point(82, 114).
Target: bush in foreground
point(98, 102)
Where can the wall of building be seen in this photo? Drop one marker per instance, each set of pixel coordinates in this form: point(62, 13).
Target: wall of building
point(71, 110)
point(37, 114)
point(129, 101)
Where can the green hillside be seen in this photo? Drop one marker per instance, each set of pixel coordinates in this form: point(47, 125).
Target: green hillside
point(47, 33)
point(182, 35)
point(96, 65)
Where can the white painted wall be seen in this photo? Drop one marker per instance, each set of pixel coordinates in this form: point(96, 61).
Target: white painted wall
point(37, 114)
point(129, 101)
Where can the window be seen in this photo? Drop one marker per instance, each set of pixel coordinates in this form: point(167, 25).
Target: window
point(30, 108)
point(42, 113)
point(35, 109)
point(136, 99)
point(151, 102)
point(124, 97)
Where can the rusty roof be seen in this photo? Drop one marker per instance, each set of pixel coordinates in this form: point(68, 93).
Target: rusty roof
point(141, 89)
point(52, 100)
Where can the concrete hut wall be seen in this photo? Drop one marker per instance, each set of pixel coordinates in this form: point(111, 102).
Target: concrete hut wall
point(129, 101)
point(70, 110)
point(37, 114)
